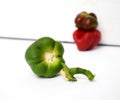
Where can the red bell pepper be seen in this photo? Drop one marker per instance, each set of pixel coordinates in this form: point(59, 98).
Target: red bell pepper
point(86, 40)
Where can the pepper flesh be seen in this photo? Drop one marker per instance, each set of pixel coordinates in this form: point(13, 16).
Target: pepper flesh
point(45, 57)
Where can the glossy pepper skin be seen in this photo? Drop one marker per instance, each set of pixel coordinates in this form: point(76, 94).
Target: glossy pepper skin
point(45, 56)
point(86, 40)
point(86, 21)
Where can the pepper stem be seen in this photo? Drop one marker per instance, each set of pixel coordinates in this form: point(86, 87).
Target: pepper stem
point(85, 72)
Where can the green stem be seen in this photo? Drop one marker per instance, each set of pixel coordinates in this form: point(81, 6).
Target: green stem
point(85, 72)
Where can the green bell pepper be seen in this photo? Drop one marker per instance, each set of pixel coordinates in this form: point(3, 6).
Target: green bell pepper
point(45, 57)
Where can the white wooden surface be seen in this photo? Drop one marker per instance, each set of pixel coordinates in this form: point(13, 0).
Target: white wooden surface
point(17, 81)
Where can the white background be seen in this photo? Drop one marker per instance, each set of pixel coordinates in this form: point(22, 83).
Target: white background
point(55, 18)
point(36, 18)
